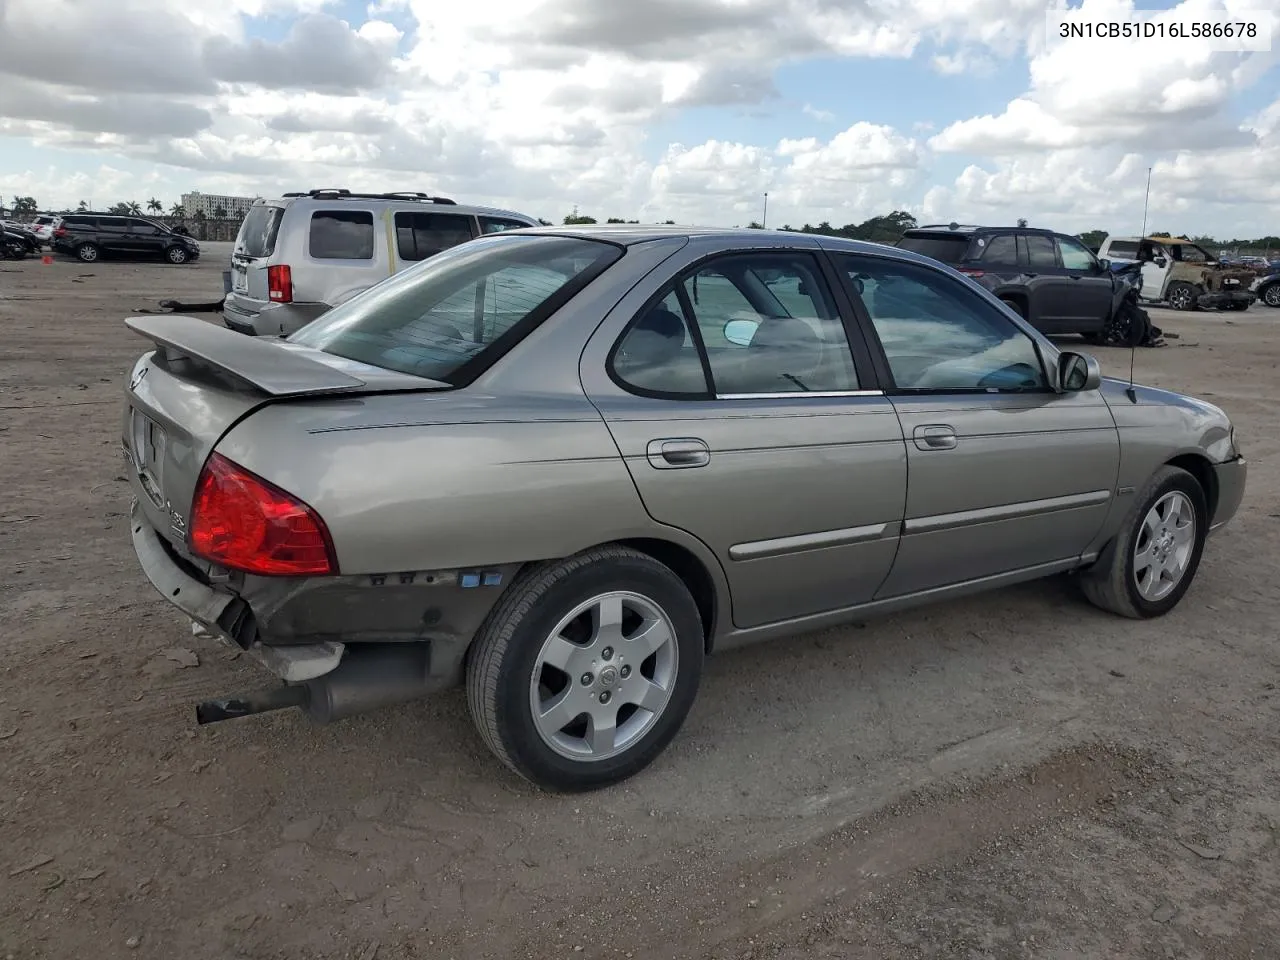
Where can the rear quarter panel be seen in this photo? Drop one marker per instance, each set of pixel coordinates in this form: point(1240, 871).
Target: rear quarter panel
point(420, 481)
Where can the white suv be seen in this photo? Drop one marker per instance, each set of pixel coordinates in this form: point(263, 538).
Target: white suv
point(303, 254)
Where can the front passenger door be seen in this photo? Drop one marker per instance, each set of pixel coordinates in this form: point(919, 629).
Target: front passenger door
point(1003, 473)
point(1091, 286)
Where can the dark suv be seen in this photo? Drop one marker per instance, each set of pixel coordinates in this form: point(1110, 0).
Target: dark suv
point(1053, 280)
point(91, 236)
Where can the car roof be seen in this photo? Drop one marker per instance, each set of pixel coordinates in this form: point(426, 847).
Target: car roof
point(964, 229)
point(326, 199)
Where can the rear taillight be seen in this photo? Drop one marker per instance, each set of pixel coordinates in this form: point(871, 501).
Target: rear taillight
point(243, 522)
point(970, 271)
point(280, 284)
point(60, 232)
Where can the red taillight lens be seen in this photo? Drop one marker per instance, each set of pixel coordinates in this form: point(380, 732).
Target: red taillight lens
point(970, 271)
point(60, 232)
point(280, 284)
point(241, 521)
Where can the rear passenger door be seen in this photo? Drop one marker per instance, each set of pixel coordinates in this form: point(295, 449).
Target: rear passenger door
point(342, 247)
point(749, 418)
point(422, 234)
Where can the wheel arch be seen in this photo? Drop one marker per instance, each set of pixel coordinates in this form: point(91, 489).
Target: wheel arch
point(686, 565)
point(1200, 467)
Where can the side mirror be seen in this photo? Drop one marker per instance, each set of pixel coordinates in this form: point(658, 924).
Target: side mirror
point(741, 331)
point(1078, 372)
point(1104, 264)
point(1161, 262)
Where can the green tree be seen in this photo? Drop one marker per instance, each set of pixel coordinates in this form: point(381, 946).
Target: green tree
point(219, 212)
point(177, 210)
point(25, 208)
point(1092, 238)
point(154, 206)
point(82, 206)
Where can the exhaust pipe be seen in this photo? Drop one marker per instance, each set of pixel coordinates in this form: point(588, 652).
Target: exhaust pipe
point(370, 676)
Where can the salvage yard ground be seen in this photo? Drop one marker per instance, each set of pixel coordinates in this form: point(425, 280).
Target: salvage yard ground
point(1017, 775)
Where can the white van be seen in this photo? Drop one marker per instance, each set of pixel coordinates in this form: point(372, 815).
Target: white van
point(304, 253)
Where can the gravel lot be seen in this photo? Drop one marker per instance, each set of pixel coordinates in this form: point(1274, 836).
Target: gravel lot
point(1017, 775)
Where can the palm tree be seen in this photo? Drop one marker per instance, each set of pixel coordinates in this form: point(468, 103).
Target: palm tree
point(134, 208)
point(82, 206)
point(154, 206)
point(177, 210)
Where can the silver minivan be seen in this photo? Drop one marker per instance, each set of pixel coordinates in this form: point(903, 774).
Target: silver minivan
point(304, 253)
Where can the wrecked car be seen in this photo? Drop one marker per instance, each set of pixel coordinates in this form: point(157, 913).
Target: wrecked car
point(1183, 274)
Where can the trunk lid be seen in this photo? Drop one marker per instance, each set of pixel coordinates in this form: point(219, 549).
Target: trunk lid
point(200, 381)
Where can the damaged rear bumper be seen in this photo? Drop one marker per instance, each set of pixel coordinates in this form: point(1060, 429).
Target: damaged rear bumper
point(1225, 298)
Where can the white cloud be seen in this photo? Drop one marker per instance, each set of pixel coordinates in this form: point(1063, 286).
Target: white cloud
point(543, 104)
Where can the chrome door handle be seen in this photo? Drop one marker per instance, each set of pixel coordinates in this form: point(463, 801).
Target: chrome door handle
point(677, 453)
point(937, 436)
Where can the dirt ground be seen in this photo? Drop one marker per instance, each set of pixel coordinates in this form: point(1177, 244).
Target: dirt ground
point(1017, 775)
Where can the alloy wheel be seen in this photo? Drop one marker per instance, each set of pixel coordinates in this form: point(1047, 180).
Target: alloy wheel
point(1165, 543)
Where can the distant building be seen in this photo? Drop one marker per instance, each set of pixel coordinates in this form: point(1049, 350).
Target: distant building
point(207, 203)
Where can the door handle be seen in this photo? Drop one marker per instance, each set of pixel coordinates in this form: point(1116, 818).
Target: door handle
point(678, 453)
point(936, 436)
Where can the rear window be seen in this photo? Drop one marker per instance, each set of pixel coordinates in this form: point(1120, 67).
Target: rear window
point(422, 235)
point(450, 317)
point(258, 232)
point(342, 235)
point(947, 248)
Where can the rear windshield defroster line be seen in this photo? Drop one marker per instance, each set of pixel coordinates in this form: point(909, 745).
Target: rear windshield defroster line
point(452, 316)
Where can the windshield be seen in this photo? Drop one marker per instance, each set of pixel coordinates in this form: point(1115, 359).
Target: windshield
point(456, 312)
point(947, 248)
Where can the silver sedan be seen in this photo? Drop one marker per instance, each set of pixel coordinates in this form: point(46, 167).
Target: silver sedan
point(562, 466)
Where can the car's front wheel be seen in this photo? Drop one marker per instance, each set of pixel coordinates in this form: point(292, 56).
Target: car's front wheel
point(1271, 296)
point(1183, 296)
point(586, 668)
point(1150, 564)
point(176, 255)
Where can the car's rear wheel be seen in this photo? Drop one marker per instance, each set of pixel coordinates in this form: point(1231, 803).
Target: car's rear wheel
point(176, 255)
point(88, 252)
point(1182, 296)
point(1150, 564)
point(586, 668)
point(1271, 296)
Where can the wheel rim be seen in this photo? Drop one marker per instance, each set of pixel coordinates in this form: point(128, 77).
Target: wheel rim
point(1272, 296)
point(1165, 541)
point(88, 253)
point(1180, 298)
point(176, 255)
point(603, 676)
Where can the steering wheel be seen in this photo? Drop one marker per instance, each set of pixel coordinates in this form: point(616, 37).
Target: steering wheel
point(1014, 375)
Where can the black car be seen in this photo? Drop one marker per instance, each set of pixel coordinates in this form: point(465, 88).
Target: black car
point(1268, 289)
point(16, 243)
point(1051, 279)
point(91, 236)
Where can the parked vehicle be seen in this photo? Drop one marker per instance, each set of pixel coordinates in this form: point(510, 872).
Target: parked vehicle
point(1183, 274)
point(302, 254)
point(1267, 289)
point(42, 227)
point(93, 236)
point(563, 465)
point(1049, 279)
point(18, 242)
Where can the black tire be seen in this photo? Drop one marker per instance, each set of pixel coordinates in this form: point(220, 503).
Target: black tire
point(88, 253)
point(18, 251)
point(1015, 306)
point(1111, 583)
point(507, 647)
point(1270, 295)
point(176, 255)
point(1182, 296)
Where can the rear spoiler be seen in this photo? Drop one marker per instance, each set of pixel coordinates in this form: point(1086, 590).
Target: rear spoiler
point(259, 362)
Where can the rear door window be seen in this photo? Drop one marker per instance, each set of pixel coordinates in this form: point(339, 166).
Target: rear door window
point(1123, 250)
point(258, 232)
point(422, 235)
point(342, 235)
point(1041, 252)
point(944, 247)
point(113, 226)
